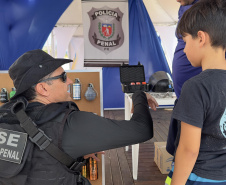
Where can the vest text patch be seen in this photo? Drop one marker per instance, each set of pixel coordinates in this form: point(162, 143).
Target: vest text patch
point(12, 145)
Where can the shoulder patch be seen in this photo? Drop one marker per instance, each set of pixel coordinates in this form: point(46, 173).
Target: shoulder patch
point(12, 145)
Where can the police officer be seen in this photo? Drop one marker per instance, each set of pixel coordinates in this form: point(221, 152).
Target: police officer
point(42, 82)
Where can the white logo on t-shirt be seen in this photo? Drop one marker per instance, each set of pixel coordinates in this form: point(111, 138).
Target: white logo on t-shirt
point(223, 124)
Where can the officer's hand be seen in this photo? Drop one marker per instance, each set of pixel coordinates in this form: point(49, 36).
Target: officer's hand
point(94, 156)
point(151, 101)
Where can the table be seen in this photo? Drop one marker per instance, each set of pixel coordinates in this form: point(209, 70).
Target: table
point(165, 100)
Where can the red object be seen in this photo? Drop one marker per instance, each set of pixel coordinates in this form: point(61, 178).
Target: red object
point(132, 83)
point(144, 83)
point(107, 29)
point(137, 83)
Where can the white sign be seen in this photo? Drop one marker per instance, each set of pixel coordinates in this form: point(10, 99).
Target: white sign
point(106, 35)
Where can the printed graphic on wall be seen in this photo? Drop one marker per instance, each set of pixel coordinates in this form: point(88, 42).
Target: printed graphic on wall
point(105, 31)
point(106, 34)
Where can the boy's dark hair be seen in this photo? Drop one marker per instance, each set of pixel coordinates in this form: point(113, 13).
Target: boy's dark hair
point(208, 16)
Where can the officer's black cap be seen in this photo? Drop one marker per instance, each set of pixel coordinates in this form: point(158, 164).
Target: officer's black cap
point(32, 66)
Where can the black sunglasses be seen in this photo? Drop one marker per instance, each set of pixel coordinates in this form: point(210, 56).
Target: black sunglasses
point(63, 77)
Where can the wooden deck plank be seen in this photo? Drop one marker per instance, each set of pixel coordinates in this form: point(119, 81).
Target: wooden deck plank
point(160, 132)
point(108, 172)
point(119, 114)
point(115, 166)
point(106, 114)
point(158, 136)
point(163, 127)
point(119, 165)
point(125, 170)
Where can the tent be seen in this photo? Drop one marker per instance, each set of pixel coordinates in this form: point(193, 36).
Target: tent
point(164, 16)
point(26, 25)
point(162, 13)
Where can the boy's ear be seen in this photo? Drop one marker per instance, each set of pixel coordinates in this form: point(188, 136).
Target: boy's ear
point(203, 38)
point(42, 89)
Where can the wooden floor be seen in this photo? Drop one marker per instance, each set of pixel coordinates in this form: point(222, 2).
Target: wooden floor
point(118, 162)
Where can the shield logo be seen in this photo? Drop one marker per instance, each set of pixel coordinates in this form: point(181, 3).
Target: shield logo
point(105, 32)
point(106, 29)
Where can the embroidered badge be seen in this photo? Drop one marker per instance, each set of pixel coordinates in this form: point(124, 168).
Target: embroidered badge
point(12, 145)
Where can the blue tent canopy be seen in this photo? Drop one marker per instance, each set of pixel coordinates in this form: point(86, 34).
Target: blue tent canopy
point(144, 46)
point(26, 24)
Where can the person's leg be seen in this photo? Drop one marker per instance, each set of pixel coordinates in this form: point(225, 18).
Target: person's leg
point(169, 178)
point(172, 134)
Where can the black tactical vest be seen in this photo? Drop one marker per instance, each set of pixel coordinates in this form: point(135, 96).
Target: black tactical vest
point(37, 167)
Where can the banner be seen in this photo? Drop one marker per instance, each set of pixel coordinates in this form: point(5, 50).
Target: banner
point(106, 34)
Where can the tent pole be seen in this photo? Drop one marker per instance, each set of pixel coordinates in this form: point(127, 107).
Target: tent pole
point(52, 45)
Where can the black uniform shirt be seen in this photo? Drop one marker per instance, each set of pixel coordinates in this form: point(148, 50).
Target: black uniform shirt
point(86, 133)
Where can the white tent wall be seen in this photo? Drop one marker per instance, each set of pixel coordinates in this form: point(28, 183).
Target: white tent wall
point(163, 13)
point(77, 52)
point(169, 41)
point(164, 16)
point(63, 37)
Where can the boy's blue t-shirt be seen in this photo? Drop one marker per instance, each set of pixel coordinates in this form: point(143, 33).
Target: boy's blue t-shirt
point(182, 68)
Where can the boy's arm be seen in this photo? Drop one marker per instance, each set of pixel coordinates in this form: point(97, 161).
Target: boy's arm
point(187, 153)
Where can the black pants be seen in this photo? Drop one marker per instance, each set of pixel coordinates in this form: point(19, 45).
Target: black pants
point(172, 134)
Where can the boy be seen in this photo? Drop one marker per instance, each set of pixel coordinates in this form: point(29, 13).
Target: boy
point(201, 108)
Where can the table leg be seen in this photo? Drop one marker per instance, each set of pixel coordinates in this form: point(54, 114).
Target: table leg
point(135, 157)
point(135, 148)
point(127, 113)
point(127, 108)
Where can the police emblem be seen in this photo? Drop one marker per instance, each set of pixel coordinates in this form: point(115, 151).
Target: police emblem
point(106, 33)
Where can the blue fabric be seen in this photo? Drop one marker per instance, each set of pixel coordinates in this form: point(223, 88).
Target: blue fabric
point(144, 46)
point(143, 41)
point(25, 25)
point(113, 96)
point(182, 68)
point(196, 180)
